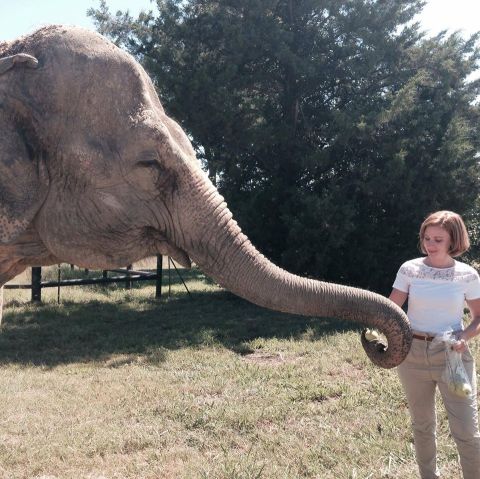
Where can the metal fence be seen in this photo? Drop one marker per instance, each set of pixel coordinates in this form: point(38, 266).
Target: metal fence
point(127, 276)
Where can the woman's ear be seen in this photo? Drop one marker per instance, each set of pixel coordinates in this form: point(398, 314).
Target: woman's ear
point(23, 180)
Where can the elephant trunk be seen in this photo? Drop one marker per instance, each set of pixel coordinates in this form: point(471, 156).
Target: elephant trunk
point(223, 252)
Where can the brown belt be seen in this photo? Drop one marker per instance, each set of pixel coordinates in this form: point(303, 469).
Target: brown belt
point(423, 338)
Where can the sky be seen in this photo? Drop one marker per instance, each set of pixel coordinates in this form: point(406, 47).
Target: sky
point(19, 17)
point(23, 16)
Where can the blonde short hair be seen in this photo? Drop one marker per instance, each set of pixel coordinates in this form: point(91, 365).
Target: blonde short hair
point(455, 227)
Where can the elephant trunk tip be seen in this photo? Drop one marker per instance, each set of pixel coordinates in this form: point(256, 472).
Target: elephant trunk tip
point(389, 355)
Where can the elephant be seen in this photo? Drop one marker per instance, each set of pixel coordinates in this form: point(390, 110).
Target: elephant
point(93, 172)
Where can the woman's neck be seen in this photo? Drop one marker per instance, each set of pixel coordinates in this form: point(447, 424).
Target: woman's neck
point(445, 262)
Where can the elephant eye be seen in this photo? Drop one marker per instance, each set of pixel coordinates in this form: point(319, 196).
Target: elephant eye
point(147, 163)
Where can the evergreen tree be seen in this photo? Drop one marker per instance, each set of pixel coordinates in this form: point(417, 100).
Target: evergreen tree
point(331, 127)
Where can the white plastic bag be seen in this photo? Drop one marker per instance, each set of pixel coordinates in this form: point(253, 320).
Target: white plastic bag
point(454, 373)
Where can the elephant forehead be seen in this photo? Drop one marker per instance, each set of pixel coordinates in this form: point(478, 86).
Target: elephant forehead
point(166, 137)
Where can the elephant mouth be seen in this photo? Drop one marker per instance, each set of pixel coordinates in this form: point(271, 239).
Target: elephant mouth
point(160, 244)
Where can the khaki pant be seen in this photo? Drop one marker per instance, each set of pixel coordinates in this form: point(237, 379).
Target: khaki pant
point(420, 374)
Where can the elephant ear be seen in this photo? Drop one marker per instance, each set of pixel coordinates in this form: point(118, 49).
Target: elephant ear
point(23, 179)
point(6, 63)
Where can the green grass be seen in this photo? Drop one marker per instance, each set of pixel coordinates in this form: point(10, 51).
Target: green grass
point(113, 384)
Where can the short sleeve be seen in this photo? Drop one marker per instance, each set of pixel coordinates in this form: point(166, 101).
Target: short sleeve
point(472, 287)
point(402, 281)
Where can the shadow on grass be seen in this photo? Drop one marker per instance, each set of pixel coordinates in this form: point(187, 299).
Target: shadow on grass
point(50, 335)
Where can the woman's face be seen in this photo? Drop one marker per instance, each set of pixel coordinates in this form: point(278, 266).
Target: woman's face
point(436, 241)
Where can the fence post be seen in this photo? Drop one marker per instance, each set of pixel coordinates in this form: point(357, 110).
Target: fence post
point(128, 282)
point(59, 278)
point(158, 286)
point(169, 279)
point(36, 284)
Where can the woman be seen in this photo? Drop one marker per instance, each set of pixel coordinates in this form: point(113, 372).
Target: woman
point(436, 287)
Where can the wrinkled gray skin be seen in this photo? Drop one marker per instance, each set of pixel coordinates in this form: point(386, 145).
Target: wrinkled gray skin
point(94, 173)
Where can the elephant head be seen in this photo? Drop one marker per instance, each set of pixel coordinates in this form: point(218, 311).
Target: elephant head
point(93, 172)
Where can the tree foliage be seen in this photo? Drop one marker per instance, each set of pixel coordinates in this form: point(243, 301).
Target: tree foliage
point(331, 127)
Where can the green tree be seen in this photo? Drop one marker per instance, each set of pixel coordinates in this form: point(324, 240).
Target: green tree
point(331, 127)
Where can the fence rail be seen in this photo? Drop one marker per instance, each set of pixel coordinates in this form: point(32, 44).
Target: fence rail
point(128, 276)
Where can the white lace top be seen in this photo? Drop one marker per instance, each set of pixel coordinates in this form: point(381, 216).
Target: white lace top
point(436, 296)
